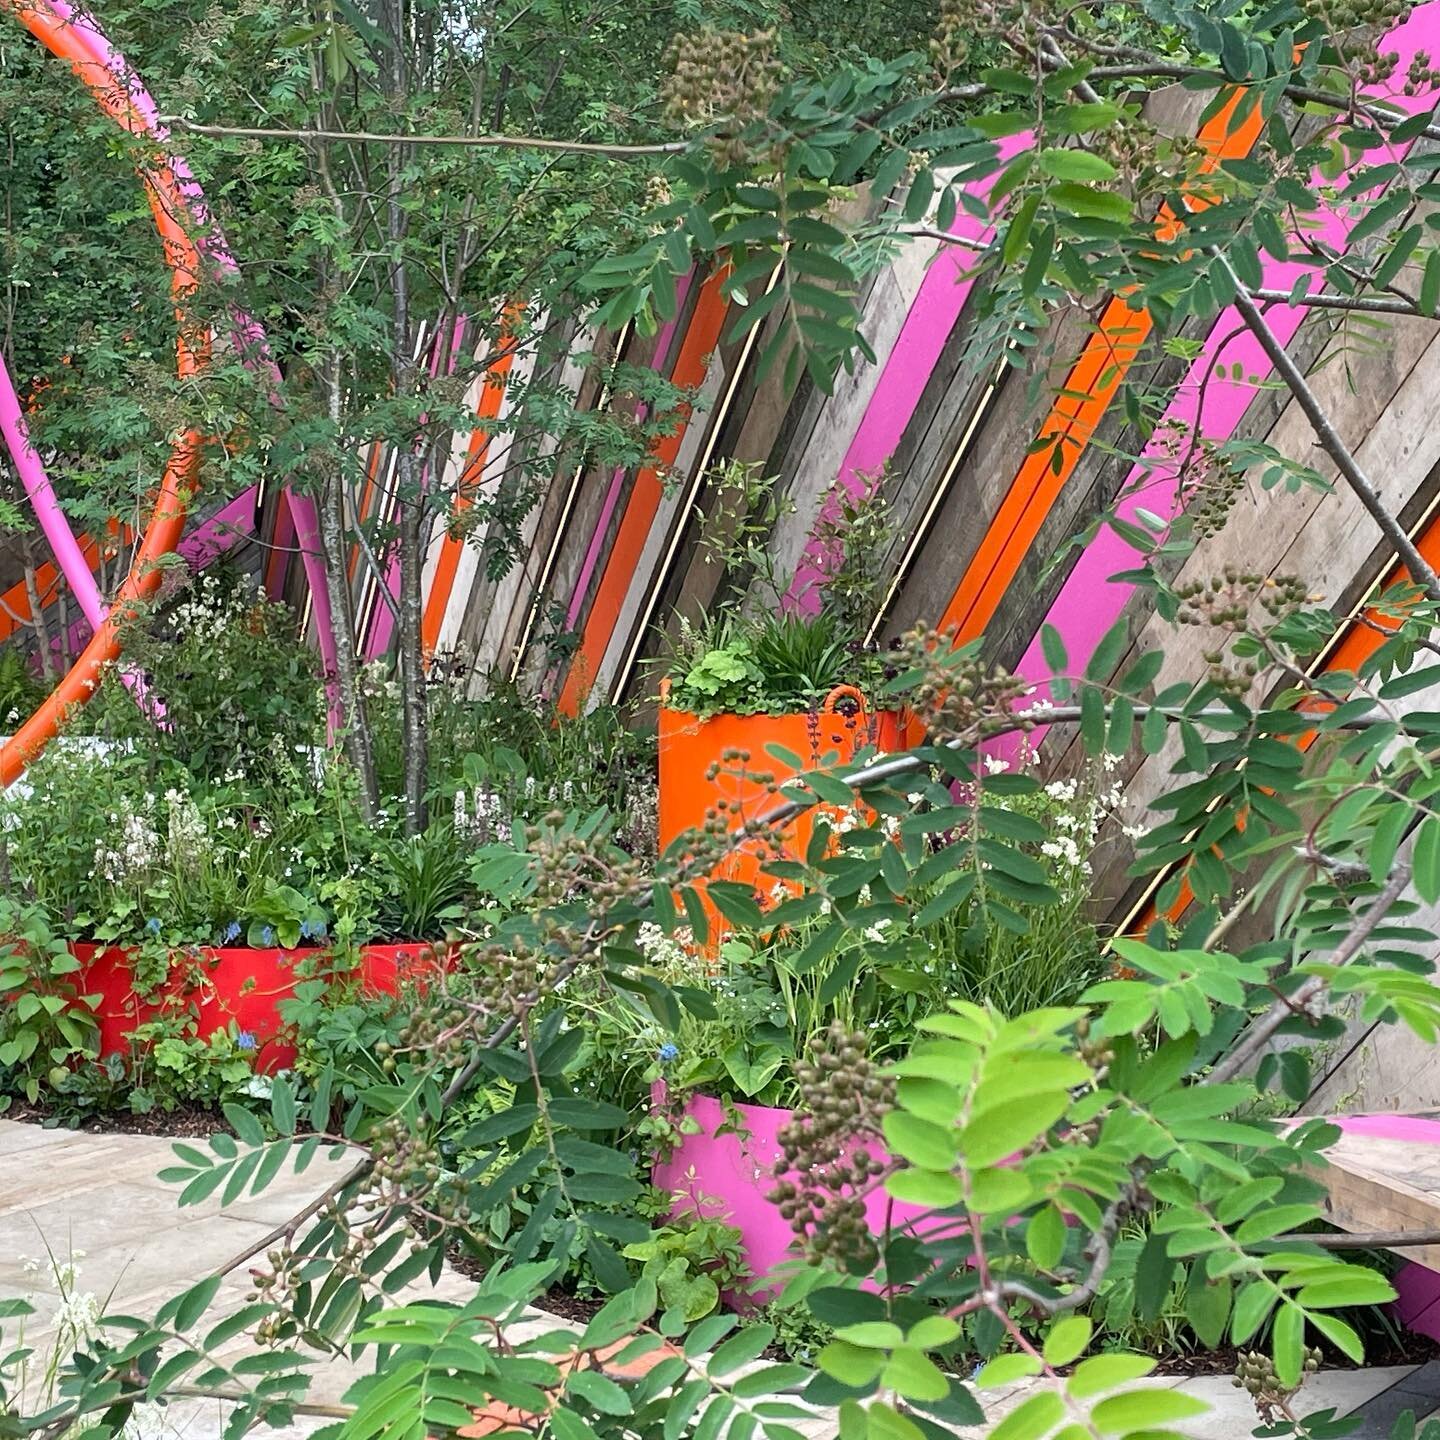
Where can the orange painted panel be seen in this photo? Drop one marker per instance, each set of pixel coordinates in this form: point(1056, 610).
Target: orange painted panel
point(448, 564)
point(1072, 421)
point(701, 337)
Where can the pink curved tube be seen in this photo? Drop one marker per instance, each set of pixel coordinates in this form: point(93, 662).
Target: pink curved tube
point(52, 519)
point(57, 531)
point(246, 333)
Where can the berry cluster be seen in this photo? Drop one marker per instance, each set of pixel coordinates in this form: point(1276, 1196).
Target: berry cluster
point(1339, 16)
point(439, 1037)
point(958, 696)
point(842, 1099)
point(508, 979)
point(1097, 1052)
point(275, 1286)
point(1256, 1373)
point(1149, 161)
point(569, 866)
point(1224, 603)
point(723, 79)
point(1377, 70)
point(1210, 483)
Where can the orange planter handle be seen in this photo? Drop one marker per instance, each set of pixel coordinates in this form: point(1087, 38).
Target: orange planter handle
point(829, 705)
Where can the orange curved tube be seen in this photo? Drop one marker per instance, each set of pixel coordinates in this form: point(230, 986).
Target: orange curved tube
point(167, 520)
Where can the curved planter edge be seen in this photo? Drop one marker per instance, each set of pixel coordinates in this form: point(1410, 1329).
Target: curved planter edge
point(226, 985)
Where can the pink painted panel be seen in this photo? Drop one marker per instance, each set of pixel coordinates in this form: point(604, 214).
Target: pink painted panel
point(1090, 601)
point(912, 359)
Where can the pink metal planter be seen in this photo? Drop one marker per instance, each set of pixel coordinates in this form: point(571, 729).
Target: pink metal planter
point(730, 1175)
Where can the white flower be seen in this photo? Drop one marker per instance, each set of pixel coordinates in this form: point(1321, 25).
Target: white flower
point(78, 1314)
point(1064, 849)
point(1134, 832)
point(662, 950)
point(994, 765)
point(1063, 790)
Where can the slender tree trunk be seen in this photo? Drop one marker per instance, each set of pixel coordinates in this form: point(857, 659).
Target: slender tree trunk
point(62, 610)
point(413, 510)
point(37, 613)
point(354, 717)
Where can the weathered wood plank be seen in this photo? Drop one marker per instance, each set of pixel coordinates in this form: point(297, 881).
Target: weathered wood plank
point(1383, 1184)
point(1325, 538)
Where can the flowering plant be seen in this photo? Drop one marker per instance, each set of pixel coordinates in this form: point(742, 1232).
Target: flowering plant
point(768, 993)
point(759, 649)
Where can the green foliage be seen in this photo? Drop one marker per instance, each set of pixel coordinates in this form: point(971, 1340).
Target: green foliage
point(46, 1023)
point(20, 691)
point(756, 652)
point(691, 1259)
point(774, 665)
point(429, 876)
point(241, 691)
point(1044, 1121)
point(170, 1070)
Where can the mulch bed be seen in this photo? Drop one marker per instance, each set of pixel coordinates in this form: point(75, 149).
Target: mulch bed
point(1407, 1349)
point(188, 1122)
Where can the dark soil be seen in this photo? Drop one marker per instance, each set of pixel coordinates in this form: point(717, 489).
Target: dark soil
point(189, 1122)
point(1404, 1349)
point(578, 1309)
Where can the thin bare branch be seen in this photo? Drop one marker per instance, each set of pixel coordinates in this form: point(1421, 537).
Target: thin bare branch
point(1260, 1032)
point(372, 137)
point(1329, 437)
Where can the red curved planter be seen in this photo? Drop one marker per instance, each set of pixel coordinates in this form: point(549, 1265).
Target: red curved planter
point(218, 986)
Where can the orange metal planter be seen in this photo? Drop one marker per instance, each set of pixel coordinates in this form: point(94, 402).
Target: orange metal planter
point(690, 748)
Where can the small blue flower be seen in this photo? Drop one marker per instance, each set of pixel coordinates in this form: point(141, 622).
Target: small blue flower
point(312, 929)
point(152, 925)
point(232, 931)
point(245, 1041)
point(267, 935)
point(669, 1052)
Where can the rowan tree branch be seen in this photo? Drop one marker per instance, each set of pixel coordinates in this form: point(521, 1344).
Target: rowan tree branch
point(1372, 304)
point(1329, 437)
point(1254, 1040)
